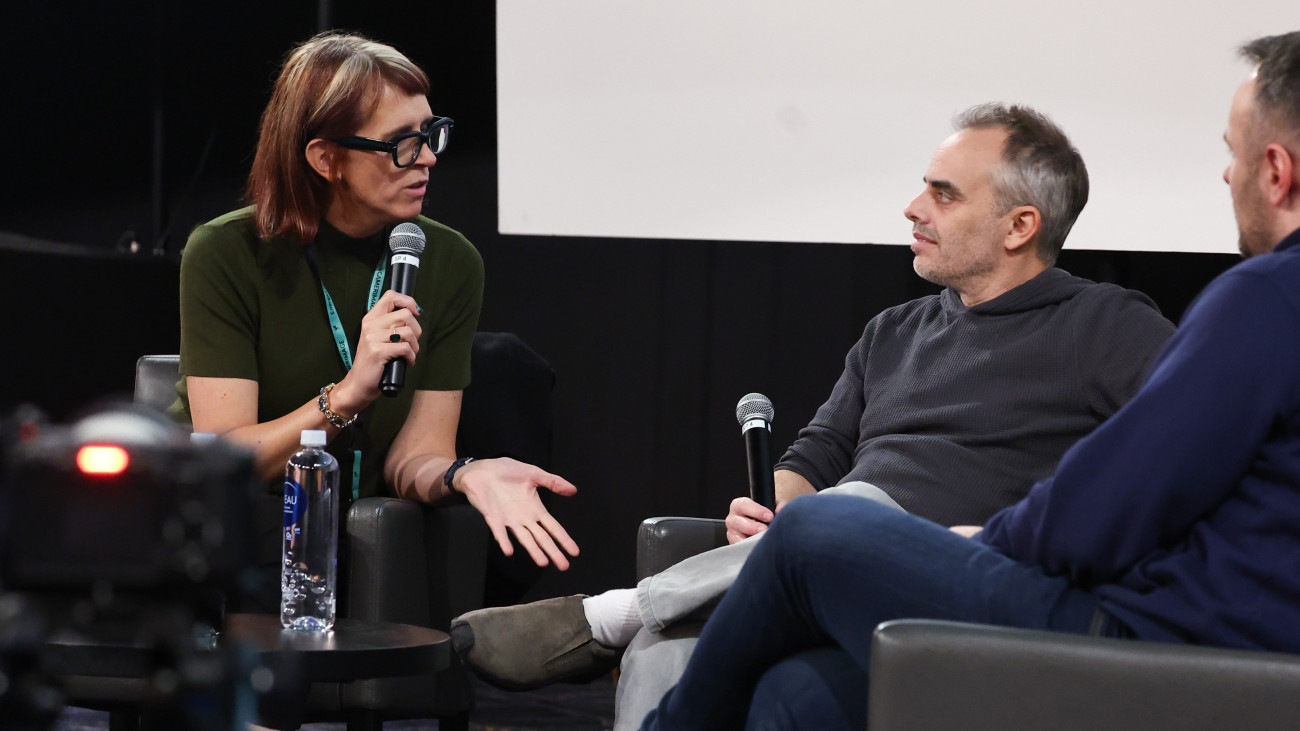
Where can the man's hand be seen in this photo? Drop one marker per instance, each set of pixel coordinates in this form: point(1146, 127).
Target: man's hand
point(748, 518)
point(505, 492)
point(966, 530)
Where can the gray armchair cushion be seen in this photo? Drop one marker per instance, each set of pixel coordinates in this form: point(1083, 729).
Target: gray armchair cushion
point(662, 542)
point(938, 675)
point(155, 380)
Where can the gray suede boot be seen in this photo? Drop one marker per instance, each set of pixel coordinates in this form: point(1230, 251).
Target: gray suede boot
point(530, 645)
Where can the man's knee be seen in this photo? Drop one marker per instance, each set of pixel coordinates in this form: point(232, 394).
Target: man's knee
point(861, 489)
point(830, 517)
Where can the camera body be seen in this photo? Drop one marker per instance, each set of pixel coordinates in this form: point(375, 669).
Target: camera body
point(157, 515)
point(120, 529)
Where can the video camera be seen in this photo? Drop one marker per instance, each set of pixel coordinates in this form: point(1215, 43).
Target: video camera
point(124, 500)
point(120, 528)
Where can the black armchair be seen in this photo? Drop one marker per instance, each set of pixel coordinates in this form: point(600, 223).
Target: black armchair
point(415, 564)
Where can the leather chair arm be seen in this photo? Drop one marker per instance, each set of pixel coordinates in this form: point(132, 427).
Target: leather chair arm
point(416, 564)
point(662, 542)
point(386, 561)
point(930, 674)
point(155, 380)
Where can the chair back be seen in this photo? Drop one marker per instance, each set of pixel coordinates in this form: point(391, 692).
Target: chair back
point(506, 410)
point(155, 380)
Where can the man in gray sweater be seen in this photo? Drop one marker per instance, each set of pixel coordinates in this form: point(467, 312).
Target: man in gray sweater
point(949, 406)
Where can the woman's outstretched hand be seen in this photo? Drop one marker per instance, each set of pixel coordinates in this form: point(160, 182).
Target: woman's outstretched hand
point(505, 492)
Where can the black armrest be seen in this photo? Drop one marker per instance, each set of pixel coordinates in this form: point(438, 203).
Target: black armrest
point(662, 542)
point(155, 380)
point(386, 564)
point(930, 675)
point(416, 564)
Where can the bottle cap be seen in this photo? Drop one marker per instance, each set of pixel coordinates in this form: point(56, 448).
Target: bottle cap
point(313, 438)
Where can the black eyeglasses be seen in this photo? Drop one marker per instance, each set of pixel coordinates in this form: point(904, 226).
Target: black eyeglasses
point(405, 148)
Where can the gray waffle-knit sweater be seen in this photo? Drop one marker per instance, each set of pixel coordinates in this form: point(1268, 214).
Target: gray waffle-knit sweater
point(956, 411)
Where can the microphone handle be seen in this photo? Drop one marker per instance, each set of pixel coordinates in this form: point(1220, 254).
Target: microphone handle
point(394, 378)
point(758, 449)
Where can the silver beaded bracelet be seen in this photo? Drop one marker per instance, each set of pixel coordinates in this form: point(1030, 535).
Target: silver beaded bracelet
point(334, 419)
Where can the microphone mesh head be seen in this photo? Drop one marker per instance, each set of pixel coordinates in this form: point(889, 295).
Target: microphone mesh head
point(406, 238)
point(754, 405)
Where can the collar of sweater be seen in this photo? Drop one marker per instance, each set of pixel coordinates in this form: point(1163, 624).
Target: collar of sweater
point(334, 244)
point(1291, 241)
point(1051, 286)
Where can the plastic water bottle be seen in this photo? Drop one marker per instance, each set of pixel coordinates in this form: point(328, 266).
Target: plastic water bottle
point(311, 536)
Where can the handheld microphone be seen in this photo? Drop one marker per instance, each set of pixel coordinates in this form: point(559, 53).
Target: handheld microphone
point(754, 413)
point(407, 243)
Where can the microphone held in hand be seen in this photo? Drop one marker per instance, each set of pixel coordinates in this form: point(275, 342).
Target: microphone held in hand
point(407, 243)
point(754, 412)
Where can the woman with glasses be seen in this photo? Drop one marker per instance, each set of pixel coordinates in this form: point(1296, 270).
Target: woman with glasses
point(287, 321)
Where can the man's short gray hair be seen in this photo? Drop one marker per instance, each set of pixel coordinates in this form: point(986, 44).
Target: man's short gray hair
point(1040, 168)
point(1277, 84)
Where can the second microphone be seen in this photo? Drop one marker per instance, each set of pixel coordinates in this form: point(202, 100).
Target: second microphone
point(754, 412)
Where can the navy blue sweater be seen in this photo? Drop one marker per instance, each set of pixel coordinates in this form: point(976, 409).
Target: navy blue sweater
point(1182, 512)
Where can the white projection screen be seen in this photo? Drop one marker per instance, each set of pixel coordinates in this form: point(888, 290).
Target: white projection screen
point(814, 120)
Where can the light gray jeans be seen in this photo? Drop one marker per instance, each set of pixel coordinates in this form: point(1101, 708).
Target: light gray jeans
point(674, 605)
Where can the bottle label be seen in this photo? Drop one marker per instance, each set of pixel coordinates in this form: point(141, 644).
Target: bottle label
point(295, 502)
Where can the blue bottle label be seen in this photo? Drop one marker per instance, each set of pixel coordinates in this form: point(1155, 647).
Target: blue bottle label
point(294, 504)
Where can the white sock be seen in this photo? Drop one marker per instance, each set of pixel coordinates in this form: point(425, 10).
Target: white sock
point(613, 617)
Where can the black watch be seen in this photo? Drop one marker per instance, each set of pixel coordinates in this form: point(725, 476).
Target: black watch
point(451, 472)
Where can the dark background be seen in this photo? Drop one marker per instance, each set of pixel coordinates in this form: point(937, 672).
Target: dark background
point(134, 121)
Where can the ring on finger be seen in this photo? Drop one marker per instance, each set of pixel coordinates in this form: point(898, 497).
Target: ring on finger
point(394, 337)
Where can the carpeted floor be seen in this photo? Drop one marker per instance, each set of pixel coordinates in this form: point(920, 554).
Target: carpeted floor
point(587, 707)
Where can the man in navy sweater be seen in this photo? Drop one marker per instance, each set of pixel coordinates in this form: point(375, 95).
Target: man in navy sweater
point(1177, 520)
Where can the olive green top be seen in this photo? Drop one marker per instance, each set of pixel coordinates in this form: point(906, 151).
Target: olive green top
point(251, 308)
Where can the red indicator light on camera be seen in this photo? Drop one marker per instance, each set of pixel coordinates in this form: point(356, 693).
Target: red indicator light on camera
point(94, 459)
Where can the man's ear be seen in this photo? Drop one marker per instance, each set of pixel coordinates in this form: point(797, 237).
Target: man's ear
point(320, 156)
point(1277, 175)
point(1025, 222)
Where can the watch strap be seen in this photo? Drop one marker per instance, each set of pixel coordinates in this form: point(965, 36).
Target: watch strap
point(451, 472)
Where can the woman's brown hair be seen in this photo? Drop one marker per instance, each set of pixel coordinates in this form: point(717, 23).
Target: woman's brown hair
point(329, 86)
